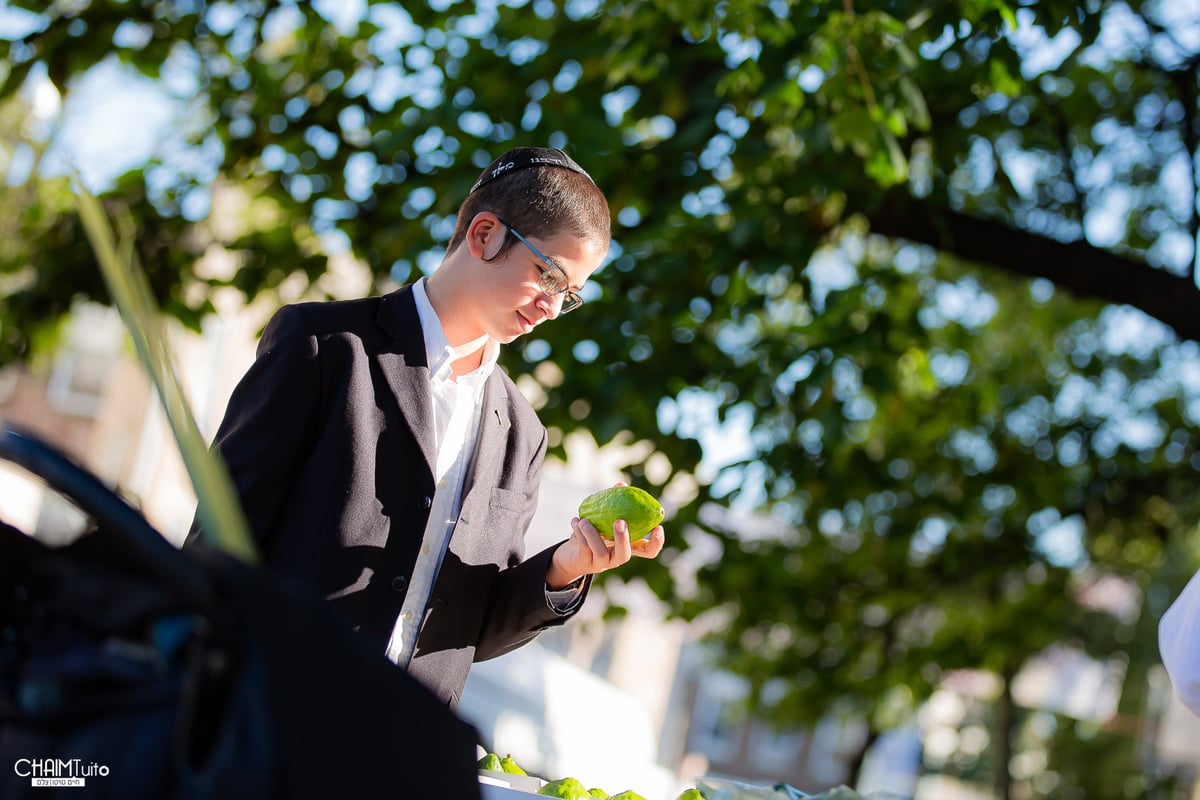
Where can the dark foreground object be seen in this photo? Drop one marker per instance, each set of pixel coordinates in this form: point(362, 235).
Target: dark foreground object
point(150, 672)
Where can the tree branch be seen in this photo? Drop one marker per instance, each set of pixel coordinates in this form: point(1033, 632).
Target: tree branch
point(1077, 267)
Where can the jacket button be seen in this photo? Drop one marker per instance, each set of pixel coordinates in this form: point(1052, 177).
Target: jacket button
point(399, 582)
point(426, 501)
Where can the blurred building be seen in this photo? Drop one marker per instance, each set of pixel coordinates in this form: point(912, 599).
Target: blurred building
point(93, 400)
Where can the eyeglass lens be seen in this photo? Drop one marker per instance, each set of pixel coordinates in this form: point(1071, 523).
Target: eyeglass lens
point(552, 279)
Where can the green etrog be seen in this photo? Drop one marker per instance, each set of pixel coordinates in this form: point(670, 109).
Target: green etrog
point(565, 788)
point(637, 507)
point(512, 767)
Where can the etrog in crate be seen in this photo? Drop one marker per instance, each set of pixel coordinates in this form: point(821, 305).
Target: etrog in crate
point(636, 506)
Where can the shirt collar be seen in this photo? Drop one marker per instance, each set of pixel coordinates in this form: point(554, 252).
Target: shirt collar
point(438, 349)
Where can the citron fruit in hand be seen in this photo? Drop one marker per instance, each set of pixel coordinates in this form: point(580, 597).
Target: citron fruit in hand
point(637, 507)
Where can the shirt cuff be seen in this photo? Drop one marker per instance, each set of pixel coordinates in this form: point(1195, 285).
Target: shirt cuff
point(567, 599)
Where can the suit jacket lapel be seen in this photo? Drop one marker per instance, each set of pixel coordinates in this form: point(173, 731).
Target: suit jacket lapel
point(405, 366)
point(494, 424)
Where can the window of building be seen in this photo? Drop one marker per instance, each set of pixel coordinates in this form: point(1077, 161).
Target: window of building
point(8, 382)
point(76, 384)
point(719, 716)
point(835, 740)
point(85, 361)
point(771, 748)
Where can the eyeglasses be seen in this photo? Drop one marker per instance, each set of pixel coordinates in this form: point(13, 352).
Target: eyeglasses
point(552, 279)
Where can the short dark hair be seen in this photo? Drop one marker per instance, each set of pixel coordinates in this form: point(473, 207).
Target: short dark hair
point(543, 193)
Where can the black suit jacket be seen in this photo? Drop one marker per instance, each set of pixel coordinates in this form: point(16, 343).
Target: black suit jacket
point(329, 441)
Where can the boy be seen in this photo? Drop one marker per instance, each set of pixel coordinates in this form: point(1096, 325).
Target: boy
point(382, 459)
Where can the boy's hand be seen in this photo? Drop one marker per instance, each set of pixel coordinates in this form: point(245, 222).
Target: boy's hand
point(587, 552)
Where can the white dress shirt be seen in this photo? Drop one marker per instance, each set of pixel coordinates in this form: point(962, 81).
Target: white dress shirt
point(457, 404)
point(1179, 644)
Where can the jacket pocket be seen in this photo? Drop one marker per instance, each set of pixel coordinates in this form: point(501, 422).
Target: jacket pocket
point(507, 499)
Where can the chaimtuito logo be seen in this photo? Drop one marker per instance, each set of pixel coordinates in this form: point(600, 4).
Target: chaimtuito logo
point(58, 771)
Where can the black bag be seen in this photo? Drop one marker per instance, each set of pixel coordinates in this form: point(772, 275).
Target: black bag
point(144, 671)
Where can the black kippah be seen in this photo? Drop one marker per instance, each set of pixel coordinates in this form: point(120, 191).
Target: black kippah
point(523, 157)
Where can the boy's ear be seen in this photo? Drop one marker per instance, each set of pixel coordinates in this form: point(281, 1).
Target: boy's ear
point(485, 236)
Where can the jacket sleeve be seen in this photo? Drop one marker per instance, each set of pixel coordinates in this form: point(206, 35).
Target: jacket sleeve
point(271, 420)
point(519, 609)
point(1179, 644)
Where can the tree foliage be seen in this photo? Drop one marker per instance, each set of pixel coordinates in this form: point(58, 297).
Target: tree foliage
point(931, 265)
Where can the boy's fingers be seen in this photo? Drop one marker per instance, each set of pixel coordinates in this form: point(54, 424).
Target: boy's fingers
point(595, 542)
point(652, 545)
point(622, 549)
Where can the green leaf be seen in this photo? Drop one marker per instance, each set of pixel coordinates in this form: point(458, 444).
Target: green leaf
point(855, 129)
point(219, 509)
